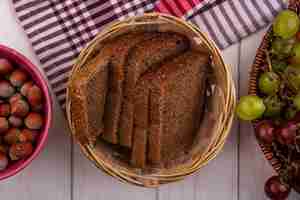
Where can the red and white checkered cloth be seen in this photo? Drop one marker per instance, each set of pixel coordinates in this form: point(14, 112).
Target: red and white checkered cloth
point(59, 29)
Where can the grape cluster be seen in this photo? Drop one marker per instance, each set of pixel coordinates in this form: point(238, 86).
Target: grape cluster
point(276, 106)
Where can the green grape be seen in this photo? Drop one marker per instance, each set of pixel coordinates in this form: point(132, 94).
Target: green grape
point(250, 107)
point(269, 83)
point(282, 48)
point(292, 75)
point(296, 101)
point(273, 106)
point(295, 60)
point(286, 24)
point(290, 113)
point(278, 65)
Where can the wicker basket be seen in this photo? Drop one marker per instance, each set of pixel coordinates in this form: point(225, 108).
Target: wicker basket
point(222, 104)
point(259, 62)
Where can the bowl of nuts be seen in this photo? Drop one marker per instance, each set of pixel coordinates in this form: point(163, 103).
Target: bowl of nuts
point(25, 112)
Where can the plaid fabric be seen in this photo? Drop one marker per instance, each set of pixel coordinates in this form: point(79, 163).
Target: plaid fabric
point(59, 29)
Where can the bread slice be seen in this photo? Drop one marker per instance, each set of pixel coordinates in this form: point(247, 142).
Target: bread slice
point(89, 88)
point(148, 53)
point(117, 51)
point(176, 103)
point(140, 127)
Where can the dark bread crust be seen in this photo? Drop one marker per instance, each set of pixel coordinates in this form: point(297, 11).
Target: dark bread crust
point(176, 106)
point(147, 54)
point(92, 80)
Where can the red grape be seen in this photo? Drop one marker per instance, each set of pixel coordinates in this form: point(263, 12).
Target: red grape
point(276, 190)
point(286, 135)
point(265, 131)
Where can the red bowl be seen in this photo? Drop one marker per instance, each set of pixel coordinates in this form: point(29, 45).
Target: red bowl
point(22, 62)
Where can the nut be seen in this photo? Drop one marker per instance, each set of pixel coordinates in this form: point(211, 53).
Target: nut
point(15, 97)
point(20, 150)
point(34, 121)
point(19, 108)
point(15, 121)
point(25, 88)
point(12, 136)
point(4, 126)
point(3, 161)
point(18, 78)
point(6, 89)
point(3, 148)
point(37, 108)
point(4, 110)
point(28, 135)
point(34, 95)
point(5, 66)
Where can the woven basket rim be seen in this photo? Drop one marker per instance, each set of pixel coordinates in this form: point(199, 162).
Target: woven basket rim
point(230, 101)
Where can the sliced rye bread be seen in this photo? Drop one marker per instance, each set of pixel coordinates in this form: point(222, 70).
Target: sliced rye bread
point(148, 53)
point(89, 88)
point(176, 102)
point(140, 127)
point(117, 51)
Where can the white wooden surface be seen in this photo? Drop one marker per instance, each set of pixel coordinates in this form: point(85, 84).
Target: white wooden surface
point(62, 173)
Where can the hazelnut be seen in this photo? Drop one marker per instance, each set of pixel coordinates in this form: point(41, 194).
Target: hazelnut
point(37, 108)
point(34, 121)
point(18, 78)
point(4, 110)
point(19, 108)
point(5, 66)
point(12, 136)
point(3, 161)
point(20, 150)
point(34, 95)
point(25, 88)
point(28, 135)
point(3, 148)
point(4, 126)
point(6, 89)
point(15, 121)
point(15, 97)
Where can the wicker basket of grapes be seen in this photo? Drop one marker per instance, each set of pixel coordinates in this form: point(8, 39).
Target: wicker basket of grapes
point(273, 103)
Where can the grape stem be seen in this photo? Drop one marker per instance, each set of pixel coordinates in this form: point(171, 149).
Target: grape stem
point(269, 61)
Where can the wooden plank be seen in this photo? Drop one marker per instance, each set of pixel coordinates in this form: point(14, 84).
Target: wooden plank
point(47, 177)
point(219, 178)
point(254, 169)
point(92, 184)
